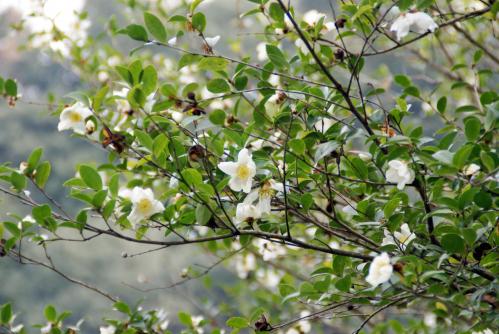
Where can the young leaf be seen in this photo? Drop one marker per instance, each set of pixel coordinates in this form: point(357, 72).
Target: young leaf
point(155, 27)
point(90, 176)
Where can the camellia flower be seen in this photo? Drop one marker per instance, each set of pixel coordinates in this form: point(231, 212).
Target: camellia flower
point(485, 331)
point(241, 172)
point(418, 22)
point(264, 195)
point(303, 326)
point(471, 169)
point(107, 330)
point(380, 270)
point(245, 264)
point(399, 173)
point(144, 205)
point(261, 52)
point(312, 17)
point(247, 212)
point(73, 117)
point(172, 41)
point(212, 41)
point(269, 250)
point(404, 237)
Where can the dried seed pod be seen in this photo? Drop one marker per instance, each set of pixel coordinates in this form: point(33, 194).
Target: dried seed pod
point(196, 152)
point(340, 23)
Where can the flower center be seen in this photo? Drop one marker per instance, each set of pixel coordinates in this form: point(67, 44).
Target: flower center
point(144, 205)
point(75, 117)
point(403, 238)
point(242, 172)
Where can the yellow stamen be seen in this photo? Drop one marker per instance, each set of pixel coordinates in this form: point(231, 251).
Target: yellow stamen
point(242, 172)
point(144, 205)
point(75, 117)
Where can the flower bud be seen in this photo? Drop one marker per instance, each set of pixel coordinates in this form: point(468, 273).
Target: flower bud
point(23, 166)
point(90, 127)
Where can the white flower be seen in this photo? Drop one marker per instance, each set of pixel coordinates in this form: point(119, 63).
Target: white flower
point(107, 330)
point(241, 172)
point(324, 124)
point(404, 237)
point(245, 264)
point(103, 76)
point(399, 173)
point(177, 116)
point(485, 331)
point(471, 169)
point(269, 250)
point(423, 22)
point(73, 117)
point(246, 212)
point(172, 41)
point(312, 17)
point(212, 41)
point(261, 52)
point(301, 45)
point(268, 277)
point(419, 22)
point(380, 270)
point(122, 103)
point(430, 320)
point(303, 326)
point(264, 195)
point(46, 329)
point(393, 13)
point(144, 205)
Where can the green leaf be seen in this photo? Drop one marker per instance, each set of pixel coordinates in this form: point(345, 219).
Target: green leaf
point(18, 181)
point(10, 87)
point(6, 314)
point(192, 176)
point(136, 32)
point(402, 80)
point(149, 80)
point(50, 313)
point(185, 319)
point(217, 117)
point(34, 157)
point(155, 26)
point(41, 212)
point(199, 21)
point(339, 264)
point(237, 322)
point(483, 200)
point(203, 214)
point(160, 145)
point(213, 64)
point(453, 243)
point(136, 97)
point(276, 56)
point(90, 176)
point(99, 97)
point(442, 104)
point(218, 86)
point(42, 174)
point(461, 156)
point(144, 139)
point(122, 307)
point(472, 127)
point(325, 149)
point(344, 284)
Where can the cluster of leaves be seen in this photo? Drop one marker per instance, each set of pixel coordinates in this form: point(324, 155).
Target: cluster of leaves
point(312, 125)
